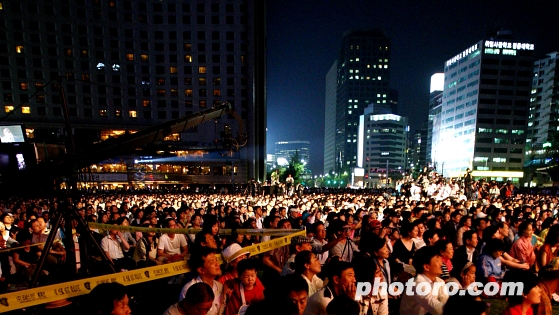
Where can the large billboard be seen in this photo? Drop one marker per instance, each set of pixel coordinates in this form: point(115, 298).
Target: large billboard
point(11, 134)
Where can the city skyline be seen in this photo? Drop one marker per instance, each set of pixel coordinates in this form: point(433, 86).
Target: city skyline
point(302, 45)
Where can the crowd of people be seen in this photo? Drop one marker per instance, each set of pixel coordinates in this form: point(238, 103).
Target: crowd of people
point(435, 234)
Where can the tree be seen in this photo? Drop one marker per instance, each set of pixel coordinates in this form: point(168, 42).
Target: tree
point(295, 167)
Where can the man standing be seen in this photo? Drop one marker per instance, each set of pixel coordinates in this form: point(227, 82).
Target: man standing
point(289, 185)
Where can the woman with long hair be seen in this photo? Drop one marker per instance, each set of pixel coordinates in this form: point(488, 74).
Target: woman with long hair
point(308, 266)
point(549, 249)
point(145, 253)
point(404, 247)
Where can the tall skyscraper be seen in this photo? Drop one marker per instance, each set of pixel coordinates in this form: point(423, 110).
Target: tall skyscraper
point(434, 119)
point(127, 65)
point(542, 138)
point(485, 110)
point(382, 144)
point(363, 76)
point(420, 146)
point(330, 119)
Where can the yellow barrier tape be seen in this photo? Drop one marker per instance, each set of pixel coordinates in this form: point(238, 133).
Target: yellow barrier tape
point(18, 246)
point(93, 225)
point(41, 295)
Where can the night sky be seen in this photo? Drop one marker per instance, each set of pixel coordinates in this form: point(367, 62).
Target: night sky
point(304, 38)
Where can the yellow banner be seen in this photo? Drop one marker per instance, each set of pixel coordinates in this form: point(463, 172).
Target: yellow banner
point(93, 225)
point(36, 296)
point(9, 249)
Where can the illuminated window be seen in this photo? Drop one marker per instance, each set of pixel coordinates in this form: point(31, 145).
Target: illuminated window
point(201, 81)
point(130, 57)
point(144, 57)
point(160, 81)
point(112, 133)
point(132, 114)
point(173, 69)
point(173, 137)
point(30, 133)
point(174, 92)
point(188, 92)
point(201, 69)
point(19, 49)
point(187, 47)
point(187, 58)
point(243, 58)
point(146, 103)
point(9, 108)
point(203, 103)
point(23, 86)
point(103, 113)
point(160, 92)
point(68, 52)
point(217, 81)
point(118, 113)
point(217, 92)
point(26, 110)
point(1, 6)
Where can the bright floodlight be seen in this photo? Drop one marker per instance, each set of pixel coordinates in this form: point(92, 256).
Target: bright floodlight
point(282, 161)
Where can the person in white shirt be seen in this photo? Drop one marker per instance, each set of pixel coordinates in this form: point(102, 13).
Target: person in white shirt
point(198, 300)
point(258, 216)
point(428, 265)
point(114, 245)
point(205, 262)
point(172, 246)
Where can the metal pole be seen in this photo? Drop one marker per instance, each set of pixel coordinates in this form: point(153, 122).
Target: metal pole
point(46, 248)
point(387, 173)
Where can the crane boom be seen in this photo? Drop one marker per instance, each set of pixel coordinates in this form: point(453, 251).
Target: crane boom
point(129, 142)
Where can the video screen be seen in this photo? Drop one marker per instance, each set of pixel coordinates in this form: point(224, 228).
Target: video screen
point(11, 134)
point(20, 162)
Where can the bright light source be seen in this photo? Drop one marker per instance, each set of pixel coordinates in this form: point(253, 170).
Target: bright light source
point(282, 161)
point(100, 66)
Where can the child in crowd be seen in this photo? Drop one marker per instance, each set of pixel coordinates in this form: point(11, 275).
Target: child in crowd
point(246, 289)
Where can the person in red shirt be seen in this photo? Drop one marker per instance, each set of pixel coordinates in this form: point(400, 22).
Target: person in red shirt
point(246, 289)
point(531, 293)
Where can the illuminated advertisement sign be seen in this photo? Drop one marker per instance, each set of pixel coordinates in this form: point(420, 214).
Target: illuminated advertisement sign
point(518, 46)
point(463, 54)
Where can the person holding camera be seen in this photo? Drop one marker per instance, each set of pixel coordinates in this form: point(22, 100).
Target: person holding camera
point(345, 247)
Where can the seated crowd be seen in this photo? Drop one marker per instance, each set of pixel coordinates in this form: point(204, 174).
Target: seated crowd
point(349, 239)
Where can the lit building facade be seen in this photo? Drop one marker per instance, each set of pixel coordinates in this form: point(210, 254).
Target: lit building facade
point(485, 110)
point(542, 139)
point(382, 144)
point(434, 119)
point(285, 150)
point(362, 78)
point(127, 65)
point(330, 120)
